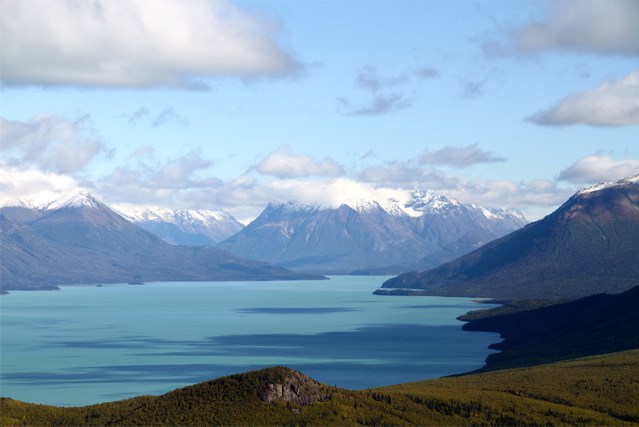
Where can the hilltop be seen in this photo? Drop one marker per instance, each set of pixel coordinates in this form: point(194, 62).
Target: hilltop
point(592, 391)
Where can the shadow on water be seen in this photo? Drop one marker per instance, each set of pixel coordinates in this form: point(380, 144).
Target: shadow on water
point(295, 310)
point(367, 357)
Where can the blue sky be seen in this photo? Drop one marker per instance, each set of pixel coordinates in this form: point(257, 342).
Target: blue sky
point(231, 105)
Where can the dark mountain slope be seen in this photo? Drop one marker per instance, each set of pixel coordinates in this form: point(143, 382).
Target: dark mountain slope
point(597, 324)
point(589, 245)
point(32, 261)
point(83, 241)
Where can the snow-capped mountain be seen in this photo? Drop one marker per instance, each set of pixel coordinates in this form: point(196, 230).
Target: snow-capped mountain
point(184, 226)
point(23, 210)
point(367, 234)
point(176, 226)
point(78, 239)
point(588, 245)
point(628, 181)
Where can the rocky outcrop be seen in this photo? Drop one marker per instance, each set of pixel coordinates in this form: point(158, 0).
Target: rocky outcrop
point(294, 387)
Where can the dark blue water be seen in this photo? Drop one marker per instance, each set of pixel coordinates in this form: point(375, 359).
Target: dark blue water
point(88, 344)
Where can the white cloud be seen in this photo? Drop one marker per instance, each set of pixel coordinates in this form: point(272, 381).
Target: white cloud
point(531, 197)
point(594, 169)
point(177, 183)
point(283, 163)
point(614, 103)
point(32, 186)
point(606, 27)
point(173, 174)
point(369, 79)
point(407, 175)
point(50, 143)
point(384, 96)
point(166, 116)
point(601, 27)
point(411, 173)
point(135, 43)
point(378, 105)
point(534, 198)
point(426, 72)
point(459, 157)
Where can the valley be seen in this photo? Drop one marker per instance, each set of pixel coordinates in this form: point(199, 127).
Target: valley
point(319, 213)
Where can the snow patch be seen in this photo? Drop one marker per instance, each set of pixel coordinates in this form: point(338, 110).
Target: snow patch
point(174, 216)
point(609, 184)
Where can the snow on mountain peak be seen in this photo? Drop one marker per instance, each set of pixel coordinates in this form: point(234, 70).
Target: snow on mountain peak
point(295, 206)
point(500, 213)
point(420, 202)
point(428, 201)
point(631, 180)
point(175, 216)
point(51, 201)
point(362, 205)
point(608, 184)
point(80, 199)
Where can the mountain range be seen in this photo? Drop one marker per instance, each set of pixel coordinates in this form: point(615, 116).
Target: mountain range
point(191, 227)
point(52, 243)
point(78, 239)
point(370, 236)
point(588, 245)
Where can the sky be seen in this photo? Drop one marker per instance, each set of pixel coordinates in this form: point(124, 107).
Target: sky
point(229, 105)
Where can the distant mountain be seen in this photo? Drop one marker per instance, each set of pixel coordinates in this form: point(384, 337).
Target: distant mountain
point(587, 246)
point(78, 239)
point(369, 236)
point(185, 226)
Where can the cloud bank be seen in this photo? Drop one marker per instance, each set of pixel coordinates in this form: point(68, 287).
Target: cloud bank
point(600, 27)
point(31, 186)
point(594, 169)
point(283, 163)
point(188, 181)
point(613, 103)
point(136, 43)
point(459, 157)
point(50, 143)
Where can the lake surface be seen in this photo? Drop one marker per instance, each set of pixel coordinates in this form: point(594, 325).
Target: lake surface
point(88, 344)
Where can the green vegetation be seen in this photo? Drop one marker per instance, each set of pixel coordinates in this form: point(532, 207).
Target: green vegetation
point(599, 390)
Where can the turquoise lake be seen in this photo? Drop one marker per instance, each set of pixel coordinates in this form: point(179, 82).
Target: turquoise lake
point(88, 344)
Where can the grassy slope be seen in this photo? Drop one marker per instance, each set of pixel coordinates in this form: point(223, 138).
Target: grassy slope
point(599, 390)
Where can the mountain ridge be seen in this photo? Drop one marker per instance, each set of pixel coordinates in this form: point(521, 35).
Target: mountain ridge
point(588, 245)
point(81, 240)
point(192, 227)
point(367, 234)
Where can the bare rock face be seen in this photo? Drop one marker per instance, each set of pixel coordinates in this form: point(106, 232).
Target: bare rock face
point(295, 387)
